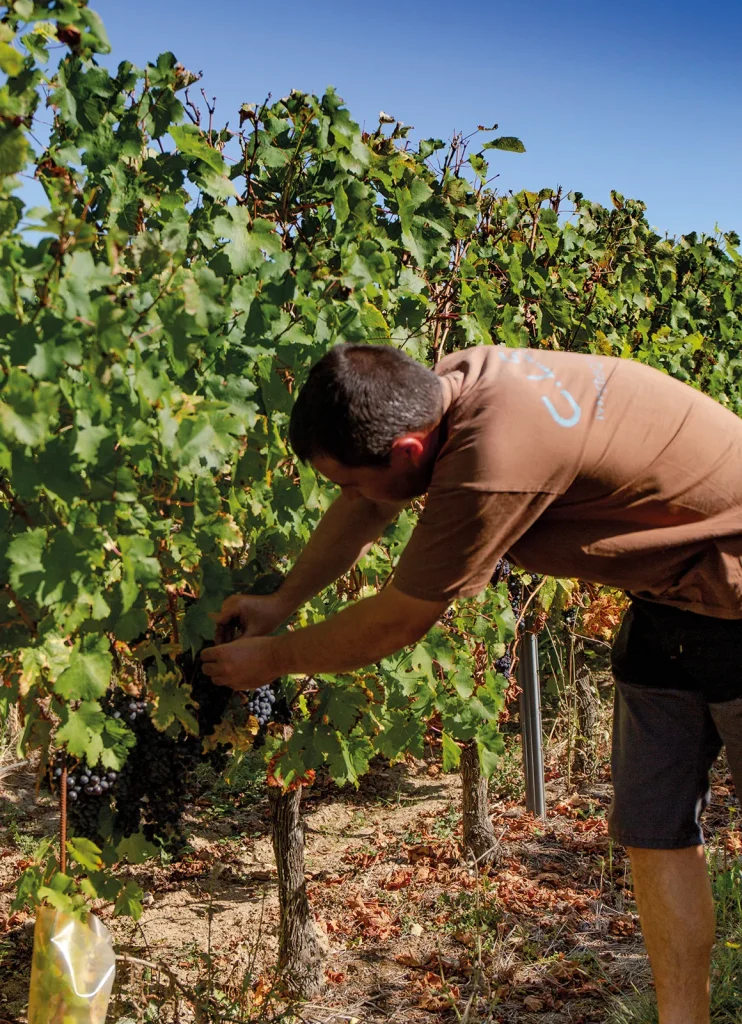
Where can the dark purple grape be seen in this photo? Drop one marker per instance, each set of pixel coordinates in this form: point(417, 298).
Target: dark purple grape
point(503, 664)
point(73, 795)
point(70, 781)
point(84, 779)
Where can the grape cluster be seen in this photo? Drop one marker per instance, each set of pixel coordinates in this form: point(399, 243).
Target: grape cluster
point(504, 664)
point(502, 571)
point(515, 593)
point(130, 710)
point(91, 781)
point(268, 704)
point(570, 616)
point(150, 790)
point(260, 704)
point(87, 786)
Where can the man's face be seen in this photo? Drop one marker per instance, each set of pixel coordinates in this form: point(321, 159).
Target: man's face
point(407, 475)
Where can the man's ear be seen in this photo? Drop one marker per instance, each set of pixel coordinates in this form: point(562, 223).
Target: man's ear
point(407, 450)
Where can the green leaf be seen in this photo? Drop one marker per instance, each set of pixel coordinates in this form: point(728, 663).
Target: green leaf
point(99, 885)
point(89, 671)
point(347, 758)
point(59, 900)
point(26, 565)
point(403, 733)
point(83, 277)
point(490, 750)
point(192, 142)
point(80, 730)
point(13, 151)
point(140, 568)
point(11, 61)
point(135, 849)
point(451, 752)
point(479, 165)
point(508, 143)
point(129, 901)
point(373, 322)
point(343, 705)
point(89, 439)
point(172, 702)
point(85, 852)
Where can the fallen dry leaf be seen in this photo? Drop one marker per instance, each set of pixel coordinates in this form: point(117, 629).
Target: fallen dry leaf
point(410, 959)
point(261, 989)
point(396, 880)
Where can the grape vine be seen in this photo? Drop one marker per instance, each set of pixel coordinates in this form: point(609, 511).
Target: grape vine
point(185, 278)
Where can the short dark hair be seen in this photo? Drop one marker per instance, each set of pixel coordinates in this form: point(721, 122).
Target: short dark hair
point(358, 399)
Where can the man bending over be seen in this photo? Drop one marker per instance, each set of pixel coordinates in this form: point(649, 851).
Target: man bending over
point(575, 466)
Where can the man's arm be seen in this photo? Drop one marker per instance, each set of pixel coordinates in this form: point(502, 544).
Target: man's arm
point(363, 634)
point(344, 534)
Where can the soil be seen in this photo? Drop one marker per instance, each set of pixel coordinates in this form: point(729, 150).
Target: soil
point(409, 929)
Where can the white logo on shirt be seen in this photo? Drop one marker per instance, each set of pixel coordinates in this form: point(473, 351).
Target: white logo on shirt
point(517, 355)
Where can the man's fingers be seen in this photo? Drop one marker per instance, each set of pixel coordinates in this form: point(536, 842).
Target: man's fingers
point(209, 654)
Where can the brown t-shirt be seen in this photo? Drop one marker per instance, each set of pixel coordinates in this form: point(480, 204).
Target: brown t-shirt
point(581, 466)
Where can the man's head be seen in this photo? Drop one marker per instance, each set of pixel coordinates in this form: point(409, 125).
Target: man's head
point(367, 419)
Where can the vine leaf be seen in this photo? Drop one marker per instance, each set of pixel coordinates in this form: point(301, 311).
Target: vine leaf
point(508, 143)
point(89, 671)
point(85, 852)
point(129, 901)
point(81, 731)
point(171, 700)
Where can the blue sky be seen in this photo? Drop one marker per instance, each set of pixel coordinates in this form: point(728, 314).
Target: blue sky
point(644, 96)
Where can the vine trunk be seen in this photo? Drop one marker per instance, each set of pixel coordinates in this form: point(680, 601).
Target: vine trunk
point(299, 958)
point(479, 833)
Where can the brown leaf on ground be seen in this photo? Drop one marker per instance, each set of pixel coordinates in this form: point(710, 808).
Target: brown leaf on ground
point(361, 861)
point(261, 990)
point(436, 994)
point(396, 880)
point(433, 852)
point(410, 959)
point(375, 921)
point(622, 926)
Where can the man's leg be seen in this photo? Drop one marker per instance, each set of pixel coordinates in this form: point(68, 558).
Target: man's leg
point(673, 893)
point(664, 742)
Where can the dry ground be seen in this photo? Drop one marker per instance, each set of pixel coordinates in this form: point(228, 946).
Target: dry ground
point(411, 933)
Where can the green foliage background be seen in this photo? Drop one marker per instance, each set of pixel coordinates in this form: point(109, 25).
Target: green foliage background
point(185, 278)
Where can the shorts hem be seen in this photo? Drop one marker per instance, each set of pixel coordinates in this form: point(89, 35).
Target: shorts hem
point(654, 842)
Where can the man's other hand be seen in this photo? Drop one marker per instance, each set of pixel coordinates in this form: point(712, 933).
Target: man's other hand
point(243, 664)
point(252, 614)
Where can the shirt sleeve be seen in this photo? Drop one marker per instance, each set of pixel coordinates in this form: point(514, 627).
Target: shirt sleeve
point(459, 538)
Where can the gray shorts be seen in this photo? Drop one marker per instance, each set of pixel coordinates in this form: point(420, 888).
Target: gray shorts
point(678, 700)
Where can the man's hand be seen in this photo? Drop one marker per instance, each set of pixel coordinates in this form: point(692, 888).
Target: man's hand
point(254, 615)
point(362, 634)
point(243, 664)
